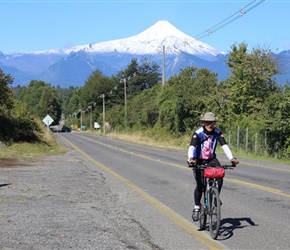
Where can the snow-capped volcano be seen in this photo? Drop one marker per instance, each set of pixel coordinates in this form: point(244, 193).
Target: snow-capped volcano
point(151, 41)
point(73, 66)
point(53, 65)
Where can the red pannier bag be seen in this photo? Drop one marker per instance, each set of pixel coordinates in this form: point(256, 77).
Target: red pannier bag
point(214, 172)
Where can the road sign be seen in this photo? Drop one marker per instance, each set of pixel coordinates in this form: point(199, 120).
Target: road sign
point(47, 120)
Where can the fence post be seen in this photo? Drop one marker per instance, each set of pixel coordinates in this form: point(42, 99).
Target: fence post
point(256, 142)
point(238, 138)
point(247, 138)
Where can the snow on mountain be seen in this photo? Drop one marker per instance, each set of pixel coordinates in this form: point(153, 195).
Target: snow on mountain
point(150, 41)
point(73, 66)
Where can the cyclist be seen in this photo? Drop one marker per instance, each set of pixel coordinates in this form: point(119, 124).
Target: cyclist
point(202, 151)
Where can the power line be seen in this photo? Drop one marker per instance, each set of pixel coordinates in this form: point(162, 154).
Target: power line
point(229, 19)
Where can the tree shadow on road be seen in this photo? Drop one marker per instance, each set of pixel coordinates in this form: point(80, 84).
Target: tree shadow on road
point(229, 225)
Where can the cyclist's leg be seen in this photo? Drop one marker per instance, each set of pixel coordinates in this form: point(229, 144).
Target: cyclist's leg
point(199, 186)
point(198, 176)
point(220, 182)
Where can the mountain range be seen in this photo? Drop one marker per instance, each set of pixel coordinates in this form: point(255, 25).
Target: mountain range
point(72, 66)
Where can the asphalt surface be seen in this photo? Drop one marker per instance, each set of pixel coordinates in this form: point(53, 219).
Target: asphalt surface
point(107, 194)
point(66, 202)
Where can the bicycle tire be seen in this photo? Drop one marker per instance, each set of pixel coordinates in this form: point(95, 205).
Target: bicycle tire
point(214, 212)
point(202, 217)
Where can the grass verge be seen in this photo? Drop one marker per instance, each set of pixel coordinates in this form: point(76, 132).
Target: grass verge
point(25, 150)
point(30, 150)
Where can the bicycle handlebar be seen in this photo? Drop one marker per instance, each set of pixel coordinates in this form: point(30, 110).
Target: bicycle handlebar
point(198, 166)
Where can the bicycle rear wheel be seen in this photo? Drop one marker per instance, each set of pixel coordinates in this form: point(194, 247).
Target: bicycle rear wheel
point(214, 212)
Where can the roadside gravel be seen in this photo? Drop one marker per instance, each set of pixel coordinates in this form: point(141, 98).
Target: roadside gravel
point(64, 202)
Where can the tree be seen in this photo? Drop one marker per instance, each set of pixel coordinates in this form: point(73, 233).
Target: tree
point(148, 75)
point(6, 93)
point(144, 109)
point(31, 96)
point(72, 104)
point(15, 125)
point(64, 96)
point(94, 87)
point(139, 77)
point(277, 123)
point(251, 81)
point(49, 104)
point(41, 99)
point(186, 97)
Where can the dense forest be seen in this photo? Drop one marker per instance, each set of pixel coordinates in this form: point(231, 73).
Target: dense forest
point(253, 109)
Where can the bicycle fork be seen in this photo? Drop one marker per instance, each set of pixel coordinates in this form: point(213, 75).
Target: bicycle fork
point(210, 183)
point(213, 183)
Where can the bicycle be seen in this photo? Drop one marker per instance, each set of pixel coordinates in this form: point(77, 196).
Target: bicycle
point(211, 205)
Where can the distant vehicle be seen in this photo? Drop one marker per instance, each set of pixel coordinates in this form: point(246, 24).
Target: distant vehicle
point(57, 129)
point(97, 125)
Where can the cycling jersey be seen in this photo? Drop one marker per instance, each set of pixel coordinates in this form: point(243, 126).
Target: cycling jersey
point(205, 142)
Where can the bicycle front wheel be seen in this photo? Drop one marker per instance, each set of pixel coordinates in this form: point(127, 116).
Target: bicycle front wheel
point(214, 212)
point(202, 218)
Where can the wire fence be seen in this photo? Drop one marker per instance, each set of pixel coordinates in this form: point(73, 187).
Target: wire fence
point(250, 141)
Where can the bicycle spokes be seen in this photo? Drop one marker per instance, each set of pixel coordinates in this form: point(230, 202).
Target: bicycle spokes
point(202, 218)
point(214, 212)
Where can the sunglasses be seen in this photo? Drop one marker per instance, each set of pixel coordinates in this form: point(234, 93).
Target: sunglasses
point(209, 123)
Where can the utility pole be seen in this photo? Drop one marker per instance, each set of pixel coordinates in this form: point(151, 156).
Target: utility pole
point(163, 66)
point(81, 120)
point(104, 117)
point(124, 80)
point(90, 107)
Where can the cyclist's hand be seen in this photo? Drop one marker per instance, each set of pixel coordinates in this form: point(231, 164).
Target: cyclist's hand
point(235, 161)
point(191, 162)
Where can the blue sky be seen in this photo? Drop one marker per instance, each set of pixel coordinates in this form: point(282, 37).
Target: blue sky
point(43, 25)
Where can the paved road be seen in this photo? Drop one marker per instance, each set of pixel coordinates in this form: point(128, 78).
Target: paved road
point(109, 194)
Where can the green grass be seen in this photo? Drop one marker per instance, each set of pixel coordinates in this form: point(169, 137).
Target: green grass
point(46, 145)
point(32, 150)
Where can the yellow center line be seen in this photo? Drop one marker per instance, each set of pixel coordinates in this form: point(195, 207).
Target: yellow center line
point(244, 183)
point(273, 168)
point(266, 167)
point(129, 152)
point(183, 223)
point(267, 189)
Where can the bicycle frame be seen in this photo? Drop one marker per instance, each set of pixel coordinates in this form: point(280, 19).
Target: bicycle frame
point(211, 207)
point(209, 183)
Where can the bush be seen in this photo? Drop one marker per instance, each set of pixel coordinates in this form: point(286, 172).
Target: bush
point(20, 129)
